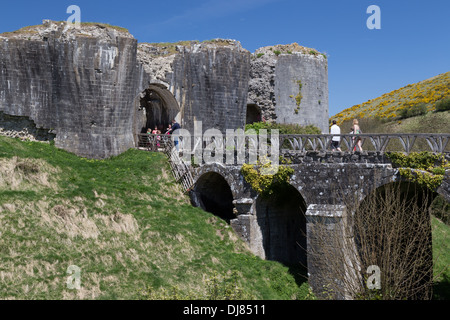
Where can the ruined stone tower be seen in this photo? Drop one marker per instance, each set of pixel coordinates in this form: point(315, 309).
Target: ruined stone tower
point(93, 89)
point(289, 84)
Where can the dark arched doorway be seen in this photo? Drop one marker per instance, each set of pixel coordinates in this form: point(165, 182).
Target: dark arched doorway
point(282, 223)
point(253, 114)
point(160, 107)
point(213, 194)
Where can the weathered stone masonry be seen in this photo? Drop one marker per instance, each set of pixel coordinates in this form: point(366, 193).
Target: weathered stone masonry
point(83, 90)
point(212, 85)
point(320, 183)
point(95, 88)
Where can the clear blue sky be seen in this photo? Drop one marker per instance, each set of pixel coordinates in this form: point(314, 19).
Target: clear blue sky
point(413, 43)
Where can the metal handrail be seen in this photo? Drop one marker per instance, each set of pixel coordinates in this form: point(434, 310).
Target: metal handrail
point(378, 142)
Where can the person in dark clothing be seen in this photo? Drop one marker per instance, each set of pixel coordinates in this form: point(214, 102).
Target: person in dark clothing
point(175, 126)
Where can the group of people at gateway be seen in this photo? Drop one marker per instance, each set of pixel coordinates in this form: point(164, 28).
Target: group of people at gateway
point(169, 130)
point(336, 139)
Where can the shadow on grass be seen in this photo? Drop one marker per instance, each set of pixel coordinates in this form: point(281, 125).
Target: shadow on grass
point(441, 289)
point(299, 272)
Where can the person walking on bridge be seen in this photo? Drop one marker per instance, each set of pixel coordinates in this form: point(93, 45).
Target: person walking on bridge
point(357, 130)
point(336, 139)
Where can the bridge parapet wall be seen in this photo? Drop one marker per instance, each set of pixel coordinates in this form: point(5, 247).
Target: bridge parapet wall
point(370, 157)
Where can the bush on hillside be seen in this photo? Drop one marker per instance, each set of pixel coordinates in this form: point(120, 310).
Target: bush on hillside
point(414, 111)
point(443, 105)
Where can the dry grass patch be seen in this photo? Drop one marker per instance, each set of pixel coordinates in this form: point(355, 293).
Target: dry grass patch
point(27, 174)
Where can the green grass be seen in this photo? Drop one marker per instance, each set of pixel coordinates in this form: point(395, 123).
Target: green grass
point(441, 259)
point(124, 222)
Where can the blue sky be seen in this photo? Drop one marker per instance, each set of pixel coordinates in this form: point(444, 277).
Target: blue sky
point(413, 43)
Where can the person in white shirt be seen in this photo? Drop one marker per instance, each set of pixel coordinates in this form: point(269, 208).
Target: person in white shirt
point(336, 140)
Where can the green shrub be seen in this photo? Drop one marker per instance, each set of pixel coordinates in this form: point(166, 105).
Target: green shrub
point(443, 105)
point(267, 179)
point(413, 111)
point(425, 168)
point(284, 128)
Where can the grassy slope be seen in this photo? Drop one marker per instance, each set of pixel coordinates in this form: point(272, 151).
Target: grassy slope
point(389, 105)
point(441, 257)
point(123, 221)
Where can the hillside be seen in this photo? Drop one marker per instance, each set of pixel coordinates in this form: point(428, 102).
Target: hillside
point(126, 224)
point(392, 105)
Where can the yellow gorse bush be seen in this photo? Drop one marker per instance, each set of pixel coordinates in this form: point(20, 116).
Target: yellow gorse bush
point(389, 105)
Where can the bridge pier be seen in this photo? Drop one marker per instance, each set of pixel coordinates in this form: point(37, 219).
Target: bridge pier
point(333, 266)
point(242, 225)
point(331, 259)
point(246, 226)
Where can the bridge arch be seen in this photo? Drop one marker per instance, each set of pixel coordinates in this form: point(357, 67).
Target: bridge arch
point(300, 186)
point(212, 193)
point(395, 177)
point(230, 174)
point(281, 224)
point(392, 228)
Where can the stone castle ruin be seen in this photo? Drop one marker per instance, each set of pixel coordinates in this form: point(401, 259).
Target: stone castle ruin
point(93, 89)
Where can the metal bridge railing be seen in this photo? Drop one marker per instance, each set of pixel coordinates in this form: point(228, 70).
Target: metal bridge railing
point(403, 142)
point(153, 142)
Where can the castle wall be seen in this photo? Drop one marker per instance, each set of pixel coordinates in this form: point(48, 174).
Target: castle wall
point(85, 87)
point(211, 85)
point(301, 90)
point(290, 88)
point(82, 89)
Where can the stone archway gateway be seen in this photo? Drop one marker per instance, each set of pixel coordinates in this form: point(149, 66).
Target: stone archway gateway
point(160, 108)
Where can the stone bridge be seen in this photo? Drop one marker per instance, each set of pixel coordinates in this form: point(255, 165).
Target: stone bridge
point(281, 227)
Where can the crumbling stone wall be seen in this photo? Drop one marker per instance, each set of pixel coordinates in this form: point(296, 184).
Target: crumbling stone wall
point(290, 85)
point(23, 128)
point(79, 85)
point(212, 82)
point(209, 80)
point(262, 84)
point(273, 82)
point(92, 87)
